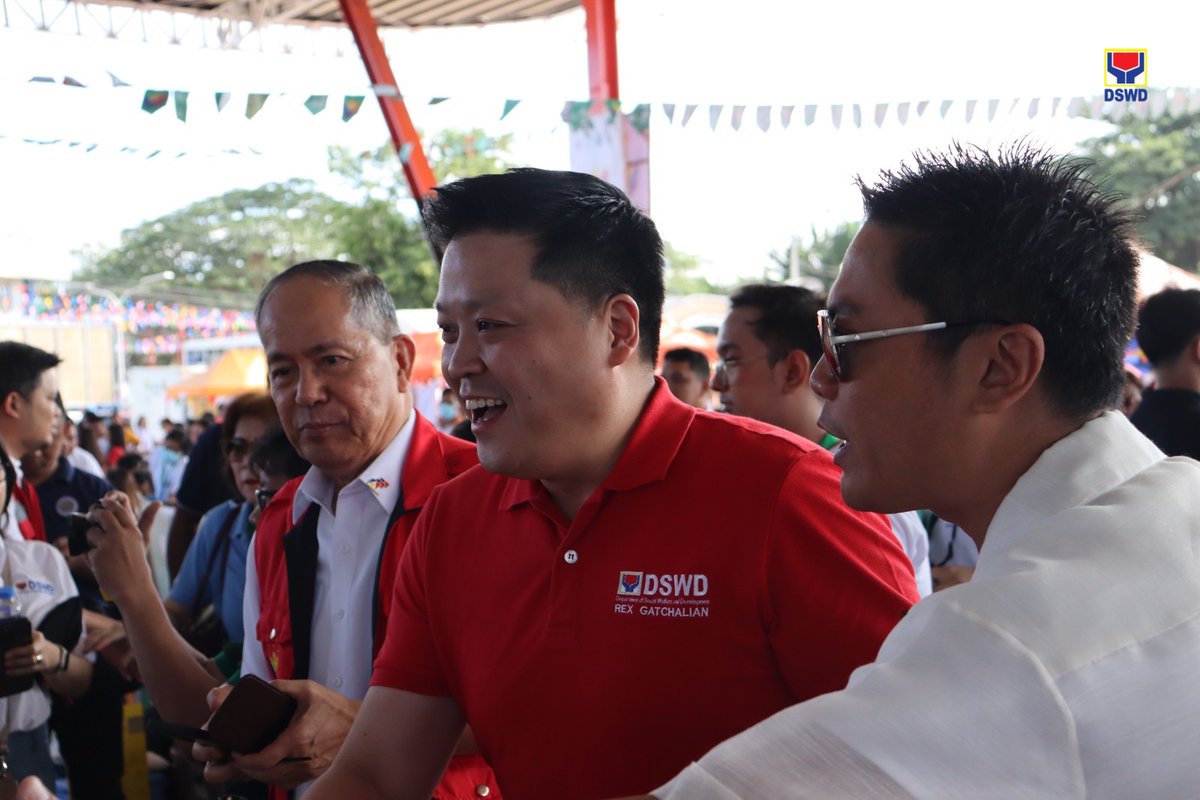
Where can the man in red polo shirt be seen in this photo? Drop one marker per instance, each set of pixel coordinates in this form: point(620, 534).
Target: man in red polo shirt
point(645, 577)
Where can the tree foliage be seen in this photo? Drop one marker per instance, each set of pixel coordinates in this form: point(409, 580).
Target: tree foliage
point(230, 243)
point(818, 260)
point(681, 276)
point(1156, 162)
point(225, 248)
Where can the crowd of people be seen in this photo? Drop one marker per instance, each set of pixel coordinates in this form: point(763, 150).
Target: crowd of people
point(900, 541)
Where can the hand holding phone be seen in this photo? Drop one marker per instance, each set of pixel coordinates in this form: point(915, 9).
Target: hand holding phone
point(252, 716)
point(306, 747)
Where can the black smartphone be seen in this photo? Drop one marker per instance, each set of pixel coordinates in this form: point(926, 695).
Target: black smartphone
point(14, 632)
point(185, 732)
point(77, 527)
point(252, 716)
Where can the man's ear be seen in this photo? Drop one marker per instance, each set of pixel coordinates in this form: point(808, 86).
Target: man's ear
point(11, 406)
point(405, 353)
point(622, 316)
point(793, 371)
point(1012, 357)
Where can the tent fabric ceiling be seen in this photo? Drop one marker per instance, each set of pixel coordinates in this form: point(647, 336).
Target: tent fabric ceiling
point(388, 13)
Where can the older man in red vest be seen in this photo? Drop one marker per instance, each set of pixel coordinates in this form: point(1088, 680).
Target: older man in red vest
point(319, 576)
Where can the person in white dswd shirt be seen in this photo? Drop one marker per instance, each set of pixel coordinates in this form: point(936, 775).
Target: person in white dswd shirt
point(1066, 667)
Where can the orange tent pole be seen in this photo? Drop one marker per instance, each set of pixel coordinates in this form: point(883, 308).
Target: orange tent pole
point(404, 135)
point(601, 16)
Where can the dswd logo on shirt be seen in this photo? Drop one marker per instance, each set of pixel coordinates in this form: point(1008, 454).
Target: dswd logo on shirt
point(630, 583)
point(634, 584)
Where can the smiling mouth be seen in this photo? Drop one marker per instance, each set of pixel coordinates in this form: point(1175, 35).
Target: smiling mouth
point(484, 409)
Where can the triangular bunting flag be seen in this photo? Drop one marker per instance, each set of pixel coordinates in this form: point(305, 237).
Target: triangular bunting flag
point(810, 115)
point(316, 103)
point(181, 105)
point(714, 114)
point(687, 115)
point(69, 81)
point(433, 101)
point(857, 116)
point(970, 111)
point(509, 105)
point(42, 79)
point(575, 114)
point(153, 100)
point(921, 106)
point(669, 110)
point(946, 107)
point(116, 82)
point(1178, 101)
point(785, 115)
point(880, 114)
point(764, 118)
point(902, 113)
point(735, 119)
point(350, 106)
point(1054, 105)
point(1033, 108)
point(639, 118)
point(1075, 107)
point(1014, 105)
point(222, 99)
point(1097, 109)
point(992, 106)
point(836, 113)
point(254, 104)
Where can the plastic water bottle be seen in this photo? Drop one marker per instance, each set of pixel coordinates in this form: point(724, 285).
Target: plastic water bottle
point(10, 606)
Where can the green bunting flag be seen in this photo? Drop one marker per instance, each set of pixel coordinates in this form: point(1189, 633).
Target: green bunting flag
point(316, 103)
point(509, 105)
point(254, 104)
point(433, 101)
point(640, 118)
point(181, 105)
point(350, 106)
point(222, 99)
point(153, 100)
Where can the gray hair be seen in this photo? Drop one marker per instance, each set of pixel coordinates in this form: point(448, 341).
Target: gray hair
point(370, 301)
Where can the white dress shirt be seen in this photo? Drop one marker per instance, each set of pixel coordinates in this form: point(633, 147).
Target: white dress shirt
point(1065, 669)
point(348, 545)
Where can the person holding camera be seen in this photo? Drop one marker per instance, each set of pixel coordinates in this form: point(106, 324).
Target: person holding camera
point(43, 646)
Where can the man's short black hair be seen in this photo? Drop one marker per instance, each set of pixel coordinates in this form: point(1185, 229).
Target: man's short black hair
point(1020, 236)
point(1167, 323)
point(22, 368)
point(693, 358)
point(592, 241)
point(787, 318)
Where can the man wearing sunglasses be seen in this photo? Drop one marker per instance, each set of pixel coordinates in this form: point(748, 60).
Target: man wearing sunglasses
point(973, 358)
